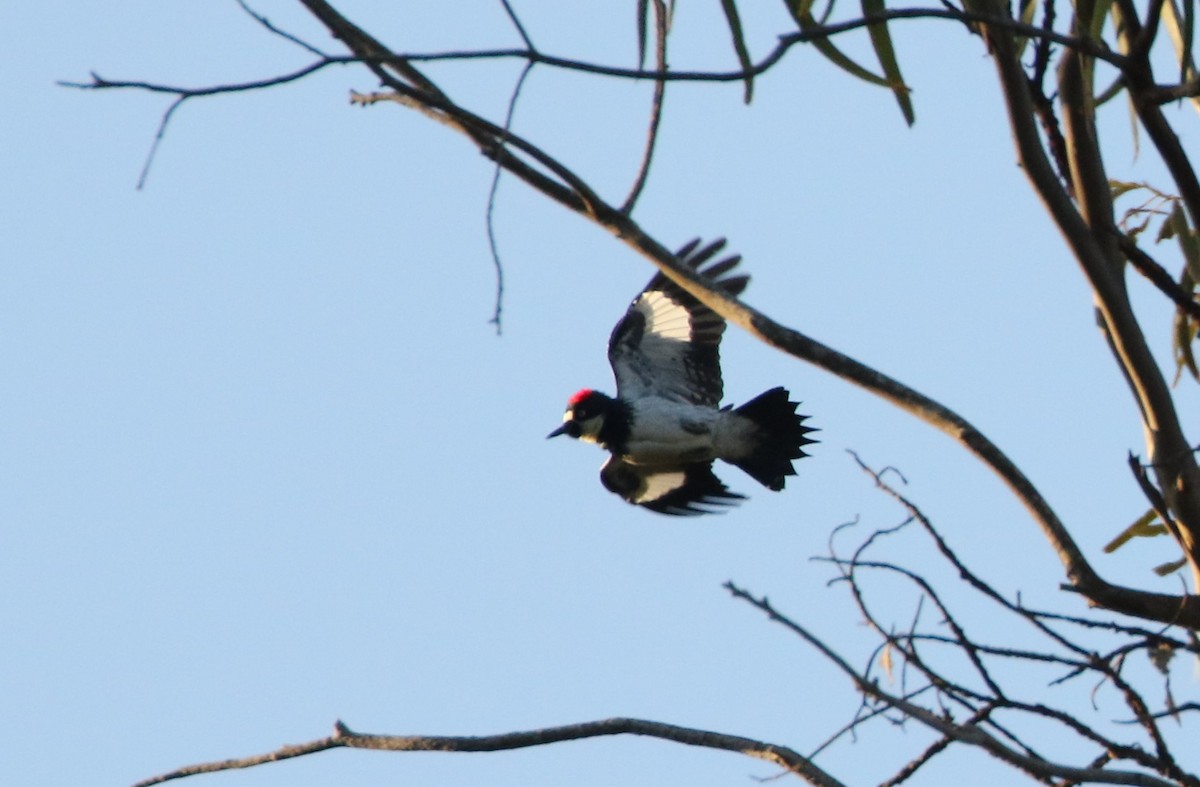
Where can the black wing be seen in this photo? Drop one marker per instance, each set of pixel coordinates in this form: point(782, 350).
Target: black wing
point(685, 490)
point(668, 343)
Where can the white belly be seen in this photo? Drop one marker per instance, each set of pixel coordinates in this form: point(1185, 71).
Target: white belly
point(666, 432)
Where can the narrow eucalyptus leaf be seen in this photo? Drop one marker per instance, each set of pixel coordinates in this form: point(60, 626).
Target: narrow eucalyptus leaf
point(1119, 187)
point(1183, 336)
point(1187, 34)
point(1028, 9)
point(1165, 232)
point(643, 17)
point(739, 44)
point(881, 39)
point(1172, 19)
point(1114, 89)
point(1170, 568)
point(1137, 229)
point(801, 12)
point(1188, 244)
point(1142, 526)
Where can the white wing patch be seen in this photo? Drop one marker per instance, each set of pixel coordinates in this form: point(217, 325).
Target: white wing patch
point(680, 490)
point(658, 485)
point(668, 342)
point(664, 317)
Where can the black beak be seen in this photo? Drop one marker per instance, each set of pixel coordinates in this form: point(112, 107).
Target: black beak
point(560, 430)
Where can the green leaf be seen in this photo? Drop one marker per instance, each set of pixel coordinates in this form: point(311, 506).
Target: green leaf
point(1187, 31)
point(1179, 25)
point(800, 8)
point(1183, 336)
point(881, 39)
point(739, 43)
point(1028, 9)
point(1135, 230)
point(1143, 527)
point(1161, 655)
point(1114, 89)
point(1170, 568)
point(801, 11)
point(1165, 232)
point(1097, 13)
point(1120, 187)
point(1183, 333)
point(1186, 236)
point(643, 17)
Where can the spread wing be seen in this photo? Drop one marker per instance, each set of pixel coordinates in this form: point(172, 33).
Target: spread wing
point(668, 343)
point(684, 490)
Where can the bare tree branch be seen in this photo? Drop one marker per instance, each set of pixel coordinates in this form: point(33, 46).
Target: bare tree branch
point(266, 23)
point(182, 94)
point(516, 20)
point(493, 245)
point(971, 705)
point(413, 89)
point(969, 734)
point(530, 54)
point(982, 727)
point(1158, 276)
point(1102, 266)
point(343, 737)
point(1170, 455)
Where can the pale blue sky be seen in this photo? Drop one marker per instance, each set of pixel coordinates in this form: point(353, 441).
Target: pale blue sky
point(264, 464)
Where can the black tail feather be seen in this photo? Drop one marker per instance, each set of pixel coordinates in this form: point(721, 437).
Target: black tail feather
point(782, 436)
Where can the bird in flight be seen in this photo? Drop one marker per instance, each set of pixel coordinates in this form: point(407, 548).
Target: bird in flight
point(665, 427)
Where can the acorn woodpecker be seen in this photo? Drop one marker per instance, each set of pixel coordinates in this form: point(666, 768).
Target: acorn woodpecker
point(665, 427)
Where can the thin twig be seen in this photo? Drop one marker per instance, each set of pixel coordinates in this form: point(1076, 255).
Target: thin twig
point(656, 106)
point(971, 735)
point(1157, 275)
point(159, 133)
point(516, 21)
point(266, 23)
point(971, 578)
point(1041, 59)
point(183, 94)
point(493, 246)
point(1083, 661)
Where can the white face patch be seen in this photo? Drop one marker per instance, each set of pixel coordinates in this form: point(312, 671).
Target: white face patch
point(590, 429)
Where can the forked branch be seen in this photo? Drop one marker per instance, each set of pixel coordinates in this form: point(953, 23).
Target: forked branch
point(939, 670)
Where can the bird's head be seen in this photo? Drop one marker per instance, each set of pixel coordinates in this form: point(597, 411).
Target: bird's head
point(585, 415)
